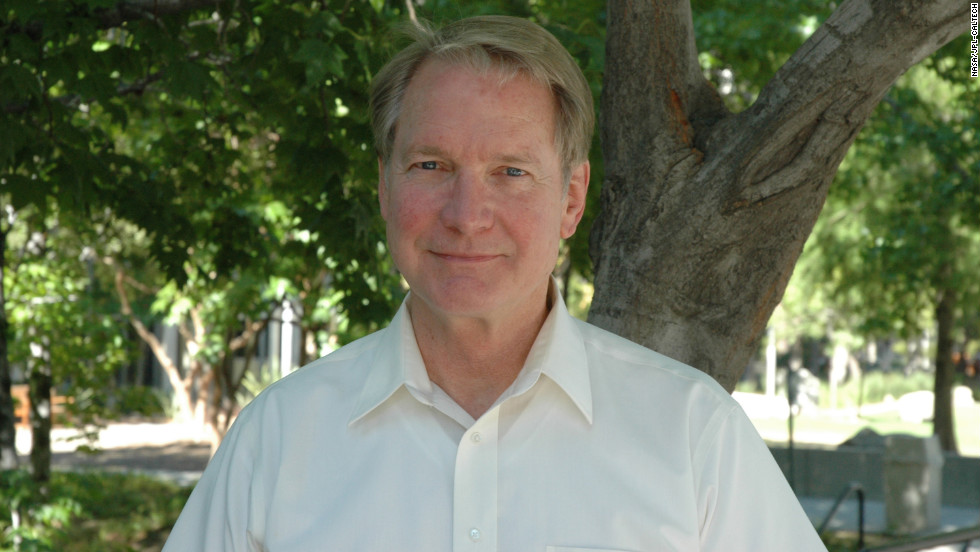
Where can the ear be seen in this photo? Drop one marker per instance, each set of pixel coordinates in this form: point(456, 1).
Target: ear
point(382, 190)
point(574, 202)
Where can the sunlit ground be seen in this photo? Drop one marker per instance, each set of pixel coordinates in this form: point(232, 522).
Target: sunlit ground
point(825, 427)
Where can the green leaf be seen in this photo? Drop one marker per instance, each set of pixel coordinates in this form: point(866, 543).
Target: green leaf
point(320, 59)
point(13, 137)
point(18, 84)
point(190, 80)
point(24, 191)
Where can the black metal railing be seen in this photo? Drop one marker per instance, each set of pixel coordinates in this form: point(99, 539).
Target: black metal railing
point(852, 488)
point(964, 536)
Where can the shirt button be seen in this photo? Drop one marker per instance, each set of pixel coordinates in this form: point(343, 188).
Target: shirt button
point(475, 534)
point(475, 438)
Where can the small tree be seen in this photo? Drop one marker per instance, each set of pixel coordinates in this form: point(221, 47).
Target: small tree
point(897, 247)
point(63, 327)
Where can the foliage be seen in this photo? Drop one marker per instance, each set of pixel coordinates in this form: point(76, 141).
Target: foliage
point(89, 511)
point(848, 541)
point(903, 207)
point(220, 158)
point(742, 45)
point(254, 384)
point(139, 400)
point(189, 124)
point(233, 144)
point(59, 82)
point(234, 137)
point(54, 299)
point(875, 387)
point(895, 251)
point(870, 387)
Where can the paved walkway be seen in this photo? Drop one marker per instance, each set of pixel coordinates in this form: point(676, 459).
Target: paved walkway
point(846, 518)
point(164, 450)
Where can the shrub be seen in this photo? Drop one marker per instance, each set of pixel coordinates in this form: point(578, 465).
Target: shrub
point(86, 512)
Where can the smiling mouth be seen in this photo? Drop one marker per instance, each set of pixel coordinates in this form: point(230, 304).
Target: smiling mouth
point(465, 257)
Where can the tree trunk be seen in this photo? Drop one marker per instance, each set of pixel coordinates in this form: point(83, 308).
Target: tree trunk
point(703, 213)
point(8, 432)
point(40, 379)
point(942, 424)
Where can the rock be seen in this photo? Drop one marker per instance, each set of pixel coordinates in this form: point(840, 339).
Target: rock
point(866, 438)
point(915, 407)
point(963, 396)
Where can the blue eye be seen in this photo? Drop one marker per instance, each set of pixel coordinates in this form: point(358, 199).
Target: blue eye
point(511, 171)
point(428, 165)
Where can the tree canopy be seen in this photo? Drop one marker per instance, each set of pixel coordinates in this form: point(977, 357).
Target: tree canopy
point(213, 160)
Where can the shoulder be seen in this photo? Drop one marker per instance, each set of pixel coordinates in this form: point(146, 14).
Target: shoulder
point(334, 366)
point(618, 353)
point(631, 382)
point(668, 409)
point(334, 379)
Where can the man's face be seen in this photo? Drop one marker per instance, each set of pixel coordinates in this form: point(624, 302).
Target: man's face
point(473, 197)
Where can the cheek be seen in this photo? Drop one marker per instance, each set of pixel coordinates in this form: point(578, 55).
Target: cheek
point(538, 228)
point(402, 230)
point(407, 215)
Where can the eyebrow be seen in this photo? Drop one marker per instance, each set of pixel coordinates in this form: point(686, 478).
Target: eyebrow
point(423, 151)
point(435, 151)
point(523, 158)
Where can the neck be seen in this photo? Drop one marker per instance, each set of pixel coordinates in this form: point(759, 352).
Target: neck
point(474, 360)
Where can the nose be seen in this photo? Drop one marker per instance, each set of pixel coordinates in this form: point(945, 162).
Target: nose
point(468, 208)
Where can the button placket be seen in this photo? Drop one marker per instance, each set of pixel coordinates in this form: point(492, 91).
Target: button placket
point(475, 487)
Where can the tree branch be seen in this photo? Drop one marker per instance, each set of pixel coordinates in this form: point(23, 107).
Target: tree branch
point(148, 337)
point(188, 336)
point(72, 101)
point(107, 18)
point(140, 285)
point(200, 330)
point(131, 10)
point(126, 10)
point(250, 331)
point(810, 112)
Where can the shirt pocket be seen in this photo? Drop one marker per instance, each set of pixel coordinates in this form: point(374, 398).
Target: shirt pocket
point(578, 549)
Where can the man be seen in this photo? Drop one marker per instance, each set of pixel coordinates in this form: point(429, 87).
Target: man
point(485, 417)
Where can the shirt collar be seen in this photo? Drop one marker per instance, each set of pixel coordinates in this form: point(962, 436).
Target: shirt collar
point(558, 352)
point(397, 362)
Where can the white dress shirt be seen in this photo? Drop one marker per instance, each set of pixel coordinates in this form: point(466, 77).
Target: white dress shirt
point(599, 444)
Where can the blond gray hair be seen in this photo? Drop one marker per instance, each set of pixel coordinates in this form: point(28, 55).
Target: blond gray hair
point(510, 46)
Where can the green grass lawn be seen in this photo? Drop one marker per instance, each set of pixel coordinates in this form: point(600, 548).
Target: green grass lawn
point(825, 427)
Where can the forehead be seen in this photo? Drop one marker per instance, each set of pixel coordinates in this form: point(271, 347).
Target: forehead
point(446, 97)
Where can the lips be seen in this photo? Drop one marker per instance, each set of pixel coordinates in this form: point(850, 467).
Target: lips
point(463, 257)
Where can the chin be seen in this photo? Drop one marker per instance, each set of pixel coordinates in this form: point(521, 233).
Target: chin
point(458, 297)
